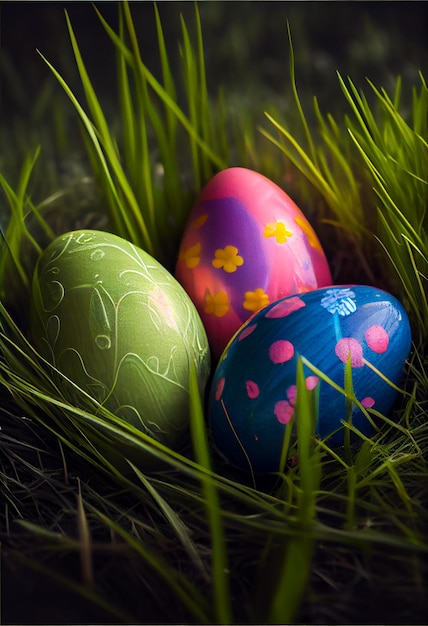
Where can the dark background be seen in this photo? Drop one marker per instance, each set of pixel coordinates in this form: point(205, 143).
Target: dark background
point(246, 44)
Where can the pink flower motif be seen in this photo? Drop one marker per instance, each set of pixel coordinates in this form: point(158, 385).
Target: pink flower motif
point(281, 351)
point(347, 346)
point(252, 389)
point(377, 339)
point(285, 307)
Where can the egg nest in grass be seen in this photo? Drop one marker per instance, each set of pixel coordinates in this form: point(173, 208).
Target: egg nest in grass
point(116, 323)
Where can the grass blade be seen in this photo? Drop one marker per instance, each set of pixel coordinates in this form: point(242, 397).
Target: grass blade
point(220, 566)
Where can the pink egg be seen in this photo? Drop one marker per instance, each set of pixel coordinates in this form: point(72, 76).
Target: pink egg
point(245, 245)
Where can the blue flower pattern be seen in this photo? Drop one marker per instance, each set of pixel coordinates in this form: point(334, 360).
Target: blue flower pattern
point(340, 301)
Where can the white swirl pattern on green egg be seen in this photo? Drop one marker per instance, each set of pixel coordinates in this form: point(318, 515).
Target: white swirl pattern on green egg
point(118, 324)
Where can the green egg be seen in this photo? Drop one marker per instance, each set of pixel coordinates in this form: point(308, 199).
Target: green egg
point(114, 321)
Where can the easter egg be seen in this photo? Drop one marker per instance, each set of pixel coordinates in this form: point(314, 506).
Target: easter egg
point(246, 244)
point(253, 393)
point(115, 322)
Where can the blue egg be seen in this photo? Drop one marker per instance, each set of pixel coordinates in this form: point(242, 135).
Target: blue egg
point(253, 391)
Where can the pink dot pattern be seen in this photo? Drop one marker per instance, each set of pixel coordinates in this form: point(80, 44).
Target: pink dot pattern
point(281, 351)
point(377, 339)
point(283, 411)
point(292, 394)
point(285, 307)
point(349, 347)
point(312, 382)
point(247, 331)
point(252, 389)
point(219, 388)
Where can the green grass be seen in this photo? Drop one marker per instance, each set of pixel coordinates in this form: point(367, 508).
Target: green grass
point(330, 535)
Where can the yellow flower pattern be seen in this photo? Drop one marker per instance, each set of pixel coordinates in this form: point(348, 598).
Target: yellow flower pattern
point(227, 259)
point(255, 300)
point(200, 221)
point(192, 256)
point(217, 304)
point(310, 235)
point(277, 230)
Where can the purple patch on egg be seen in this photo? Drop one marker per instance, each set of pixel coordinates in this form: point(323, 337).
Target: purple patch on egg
point(230, 224)
point(246, 244)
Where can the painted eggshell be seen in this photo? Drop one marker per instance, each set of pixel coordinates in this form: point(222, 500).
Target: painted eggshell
point(117, 323)
point(245, 245)
point(253, 392)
